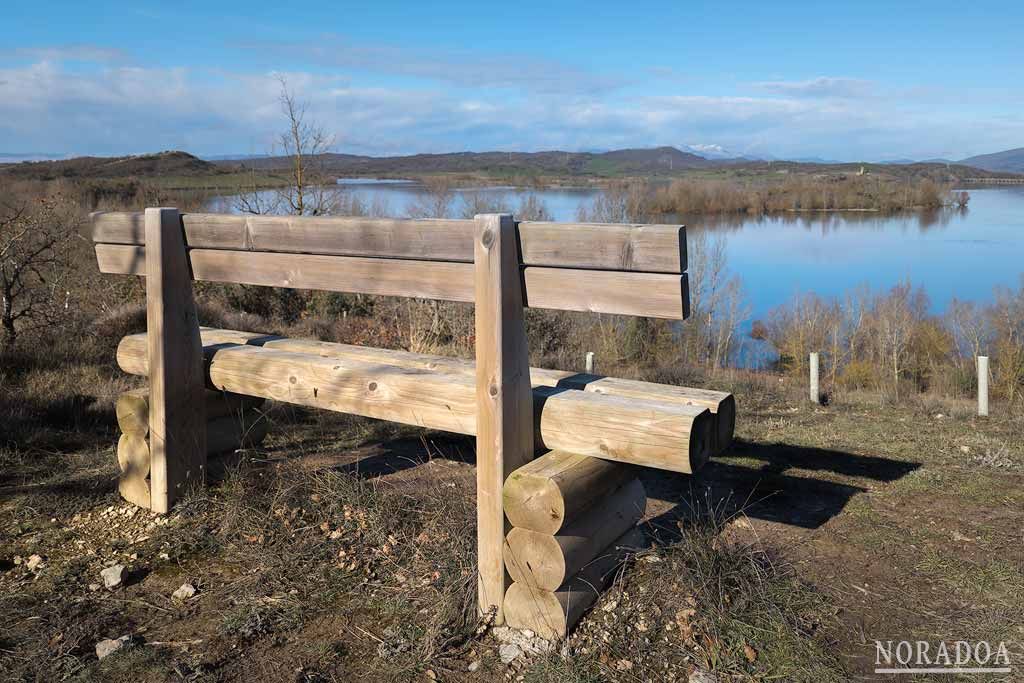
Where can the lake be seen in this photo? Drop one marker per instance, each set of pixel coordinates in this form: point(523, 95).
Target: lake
point(963, 254)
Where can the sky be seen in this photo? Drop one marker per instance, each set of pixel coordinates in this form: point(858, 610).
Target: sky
point(851, 81)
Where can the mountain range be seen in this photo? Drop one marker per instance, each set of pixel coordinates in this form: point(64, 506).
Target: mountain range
point(653, 162)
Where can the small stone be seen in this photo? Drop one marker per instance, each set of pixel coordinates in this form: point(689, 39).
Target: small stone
point(965, 449)
point(701, 676)
point(114, 576)
point(94, 587)
point(473, 666)
point(186, 591)
point(110, 646)
point(431, 676)
point(164, 556)
point(34, 562)
point(509, 652)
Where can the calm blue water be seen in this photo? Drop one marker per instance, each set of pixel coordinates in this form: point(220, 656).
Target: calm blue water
point(951, 253)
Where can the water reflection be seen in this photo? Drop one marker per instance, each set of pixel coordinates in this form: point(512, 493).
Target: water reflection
point(950, 252)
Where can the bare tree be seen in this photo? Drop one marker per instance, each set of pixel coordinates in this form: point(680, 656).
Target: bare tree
point(33, 239)
point(436, 200)
point(310, 190)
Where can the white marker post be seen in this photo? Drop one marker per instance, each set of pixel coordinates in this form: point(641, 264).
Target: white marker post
point(590, 362)
point(815, 396)
point(983, 386)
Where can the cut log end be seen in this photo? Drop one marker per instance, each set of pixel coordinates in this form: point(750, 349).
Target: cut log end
point(725, 424)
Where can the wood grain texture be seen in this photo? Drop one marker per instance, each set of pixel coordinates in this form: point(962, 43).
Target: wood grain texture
point(654, 295)
point(134, 458)
point(663, 434)
point(598, 246)
point(547, 561)
point(177, 434)
point(132, 408)
point(132, 359)
point(552, 614)
point(504, 401)
point(555, 489)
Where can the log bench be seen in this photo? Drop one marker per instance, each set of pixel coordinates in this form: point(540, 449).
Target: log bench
point(592, 428)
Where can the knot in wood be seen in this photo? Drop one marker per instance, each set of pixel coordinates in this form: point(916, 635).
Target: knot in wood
point(493, 390)
point(487, 239)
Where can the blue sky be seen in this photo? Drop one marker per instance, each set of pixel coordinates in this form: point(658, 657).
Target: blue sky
point(850, 80)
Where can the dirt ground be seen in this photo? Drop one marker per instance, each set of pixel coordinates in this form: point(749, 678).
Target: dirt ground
point(344, 551)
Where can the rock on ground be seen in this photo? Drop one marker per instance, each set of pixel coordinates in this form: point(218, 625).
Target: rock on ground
point(114, 576)
point(110, 646)
point(186, 591)
point(701, 676)
point(509, 652)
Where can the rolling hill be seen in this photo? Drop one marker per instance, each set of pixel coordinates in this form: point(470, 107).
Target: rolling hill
point(171, 163)
point(1008, 161)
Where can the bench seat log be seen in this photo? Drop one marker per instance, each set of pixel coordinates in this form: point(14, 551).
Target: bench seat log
point(132, 359)
point(652, 295)
point(597, 246)
point(671, 436)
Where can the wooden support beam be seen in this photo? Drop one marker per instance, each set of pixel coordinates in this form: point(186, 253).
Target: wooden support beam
point(551, 614)
point(547, 561)
point(555, 489)
point(504, 401)
point(177, 424)
point(132, 359)
point(597, 246)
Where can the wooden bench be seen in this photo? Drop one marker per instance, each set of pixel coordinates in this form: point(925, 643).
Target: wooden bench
point(499, 265)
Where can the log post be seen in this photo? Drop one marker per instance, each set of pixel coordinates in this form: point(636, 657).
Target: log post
point(983, 386)
point(504, 400)
point(815, 395)
point(590, 363)
point(177, 424)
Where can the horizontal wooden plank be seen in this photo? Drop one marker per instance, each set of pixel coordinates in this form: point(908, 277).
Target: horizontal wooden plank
point(654, 295)
point(589, 246)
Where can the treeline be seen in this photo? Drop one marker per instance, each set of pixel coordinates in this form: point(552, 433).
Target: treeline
point(890, 342)
point(643, 199)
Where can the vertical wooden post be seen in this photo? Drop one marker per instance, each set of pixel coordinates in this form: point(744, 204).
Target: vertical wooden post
point(177, 420)
point(983, 386)
point(504, 399)
point(815, 394)
point(590, 362)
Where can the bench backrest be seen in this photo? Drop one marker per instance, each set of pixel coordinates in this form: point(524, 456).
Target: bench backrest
point(603, 268)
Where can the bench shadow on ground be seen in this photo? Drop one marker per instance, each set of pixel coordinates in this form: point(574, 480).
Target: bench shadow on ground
point(794, 485)
point(799, 486)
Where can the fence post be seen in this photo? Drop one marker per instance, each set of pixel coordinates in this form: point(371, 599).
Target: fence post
point(983, 386)
point(590, 362)
point(815, 395)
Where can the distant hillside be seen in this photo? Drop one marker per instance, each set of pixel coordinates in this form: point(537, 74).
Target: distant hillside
point(664, 162)
point(143, 165)
point(657, 161)
point(1010, 161)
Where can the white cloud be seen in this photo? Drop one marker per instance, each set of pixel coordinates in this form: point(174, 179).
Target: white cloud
point(823, 86)
point(459, 68)
point(115, 109)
